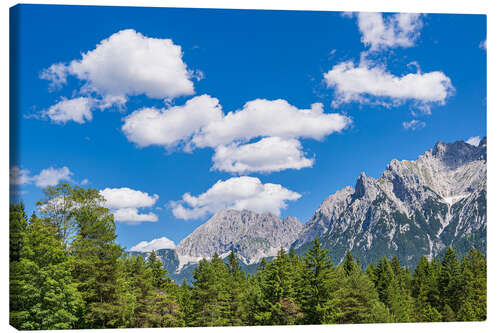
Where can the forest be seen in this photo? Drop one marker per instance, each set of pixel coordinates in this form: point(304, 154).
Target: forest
point(68, 272)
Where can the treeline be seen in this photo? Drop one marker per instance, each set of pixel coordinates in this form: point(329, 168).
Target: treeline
point(66, 271)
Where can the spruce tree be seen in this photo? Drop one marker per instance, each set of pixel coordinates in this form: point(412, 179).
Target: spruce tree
point(238, 292)
point(210, 293)
point(449, 284)
point(318, 283)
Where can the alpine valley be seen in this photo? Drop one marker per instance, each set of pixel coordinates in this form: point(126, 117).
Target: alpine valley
point(416, 208)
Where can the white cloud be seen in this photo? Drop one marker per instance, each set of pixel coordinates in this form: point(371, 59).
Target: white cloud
point(56, 74)
point(52, 176)
point(475, 140)
point(84, 182)
point(124, 203)
point(235, 193)
point(373, 84)
point(413, 125)
point(132, 215)
point(155, 244)
point(201, 123)
point(19, 176)
point(169, 127)
point(261, 118)
point(125, 197)
point(267, 155)
point(127, 64)
point(397, 30)
point(76, 109)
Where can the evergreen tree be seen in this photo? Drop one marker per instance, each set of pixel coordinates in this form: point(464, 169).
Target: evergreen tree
point(161, 281)
point(318, 283)
point(357, 300)
point(17, 231)
point(449, 283)
point(210, 293)
point(238, 292)
point(425, 291)
point(278, 292)
point(473, 294)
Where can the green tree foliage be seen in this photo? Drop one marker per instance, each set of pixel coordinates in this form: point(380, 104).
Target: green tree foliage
point(276, 283)
point(67, 271)
point(95, 265)
point(17, 230)
point(357, 301)
point(43, 295)
point(318, 284)
point(210, 294)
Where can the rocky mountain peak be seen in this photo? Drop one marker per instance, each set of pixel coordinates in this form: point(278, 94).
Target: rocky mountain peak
point(251, 235)
point(416, 207)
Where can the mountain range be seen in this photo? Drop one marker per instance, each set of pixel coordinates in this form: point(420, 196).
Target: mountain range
point(414, 209)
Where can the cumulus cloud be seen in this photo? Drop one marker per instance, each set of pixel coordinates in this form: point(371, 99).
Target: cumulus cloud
point(169, 127)
point(413, 125)
point(201, 123)
point(475, 140)
point(18, 176)
point(262, 117)
point(397, 30)
point(235, 193)
point(76, 109)
point(373, 84)
point(123, 65)
point(267, 155)
point(124, 203)
point(155, 244)
point(132, 215)
point(52, 176)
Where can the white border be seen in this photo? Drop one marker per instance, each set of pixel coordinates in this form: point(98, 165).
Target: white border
point(425, 6)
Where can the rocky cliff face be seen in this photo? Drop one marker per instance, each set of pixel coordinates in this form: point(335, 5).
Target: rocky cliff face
point(252, 236)
point(415, 208)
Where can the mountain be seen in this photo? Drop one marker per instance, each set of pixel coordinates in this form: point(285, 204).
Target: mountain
point(252, 236)
point(415, 208)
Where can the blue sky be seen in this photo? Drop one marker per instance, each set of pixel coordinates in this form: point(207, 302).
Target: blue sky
point(148, 104)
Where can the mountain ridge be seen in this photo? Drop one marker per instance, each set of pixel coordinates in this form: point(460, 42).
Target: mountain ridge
point(414, 208)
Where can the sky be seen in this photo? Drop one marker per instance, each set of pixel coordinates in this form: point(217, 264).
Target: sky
point(174, 114)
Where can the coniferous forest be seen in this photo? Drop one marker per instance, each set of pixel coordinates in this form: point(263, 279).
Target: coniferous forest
point(67, 271)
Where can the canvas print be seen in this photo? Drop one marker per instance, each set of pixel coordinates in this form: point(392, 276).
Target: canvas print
point(176, 167)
